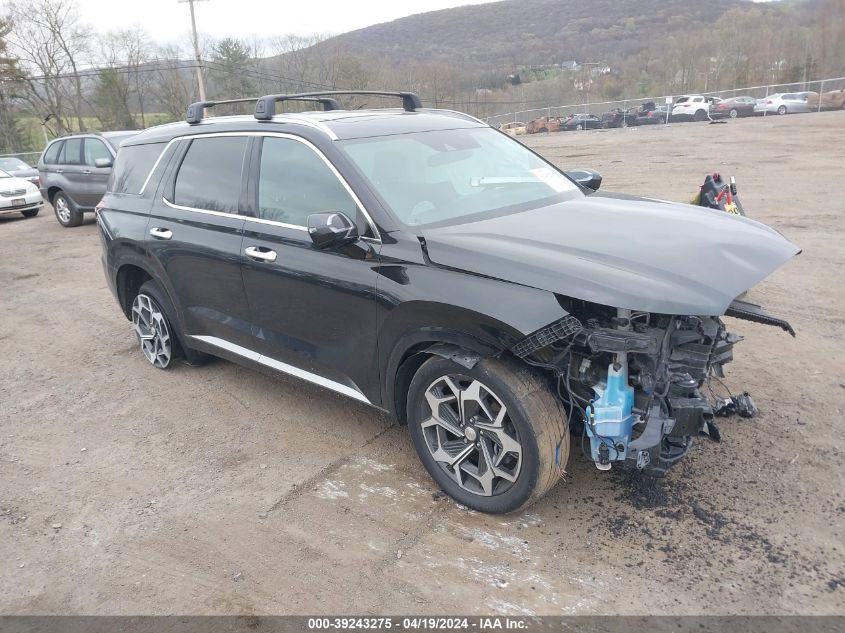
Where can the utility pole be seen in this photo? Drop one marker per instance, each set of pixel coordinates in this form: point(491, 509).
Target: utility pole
point(200, 78)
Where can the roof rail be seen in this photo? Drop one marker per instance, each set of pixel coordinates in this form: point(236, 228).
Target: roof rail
point(265, 107)
point(196, 110)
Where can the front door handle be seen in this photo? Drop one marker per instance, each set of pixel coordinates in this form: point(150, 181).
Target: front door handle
point(161, 234)
point(260, 253)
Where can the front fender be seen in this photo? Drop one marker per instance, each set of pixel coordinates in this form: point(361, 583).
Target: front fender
point(485, 316)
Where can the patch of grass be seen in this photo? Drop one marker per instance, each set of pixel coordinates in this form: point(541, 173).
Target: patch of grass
point(33, 131)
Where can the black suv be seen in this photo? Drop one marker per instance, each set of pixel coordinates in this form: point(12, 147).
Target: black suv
point(424, 263)
point(74, 170)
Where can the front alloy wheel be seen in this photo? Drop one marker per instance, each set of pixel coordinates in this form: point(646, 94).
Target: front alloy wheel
point(470, 435)
point(493, 436)
point(152, 330)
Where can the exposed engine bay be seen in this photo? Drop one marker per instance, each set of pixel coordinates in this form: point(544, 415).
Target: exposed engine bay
point(634, 379)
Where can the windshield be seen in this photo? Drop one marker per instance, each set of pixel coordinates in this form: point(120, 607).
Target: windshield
point(12, 164)
point(3, 174)
point(447, 175)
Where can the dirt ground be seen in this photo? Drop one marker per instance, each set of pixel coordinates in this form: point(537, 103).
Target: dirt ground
point(217, 490)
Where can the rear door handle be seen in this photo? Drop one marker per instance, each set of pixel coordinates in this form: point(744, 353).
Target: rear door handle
point(87, 172)
point(161, 234)
point(260, 253)
point(60, 171)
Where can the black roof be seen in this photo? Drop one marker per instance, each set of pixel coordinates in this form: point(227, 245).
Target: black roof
point(334, 124)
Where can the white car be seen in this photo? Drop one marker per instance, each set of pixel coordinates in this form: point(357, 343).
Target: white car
point(787, 103)
point(691, 107)
point(19, 196)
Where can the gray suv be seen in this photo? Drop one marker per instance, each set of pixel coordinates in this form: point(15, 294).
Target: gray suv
point(74, 171)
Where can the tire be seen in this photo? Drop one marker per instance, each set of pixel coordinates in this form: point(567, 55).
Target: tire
point(153, 316)
point(30, 213)
point(700, 115)
point(67, 214)
point(734, 113)
point(534, 422)
point(579, 127)
point(544, 130)
point(782, 109)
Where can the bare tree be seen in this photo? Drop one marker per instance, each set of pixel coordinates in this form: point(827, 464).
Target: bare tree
point(173, 81)
point(51, 42)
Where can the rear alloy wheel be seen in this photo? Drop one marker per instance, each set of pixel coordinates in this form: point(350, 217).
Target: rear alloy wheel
point(782, 109)
point(579, 127)
point(65, 212)
point(153, 331)
point(490, 436)
point(734, 113)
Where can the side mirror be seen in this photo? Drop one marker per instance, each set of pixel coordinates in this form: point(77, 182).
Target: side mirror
point(588, 178)
point(102, 162)
point(331, 230)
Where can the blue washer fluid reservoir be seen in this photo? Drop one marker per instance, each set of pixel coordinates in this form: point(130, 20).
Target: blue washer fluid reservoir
point(613, 418)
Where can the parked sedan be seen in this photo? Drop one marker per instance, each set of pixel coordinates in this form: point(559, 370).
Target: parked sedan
point(733, 107)
point(660, 114)
point(582, 122)
point(16, 167)
point(788, 103)
point(18, 195)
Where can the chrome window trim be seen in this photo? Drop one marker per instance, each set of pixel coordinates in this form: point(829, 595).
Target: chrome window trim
point(155, 165)
point(314, 148)
point(282, 367)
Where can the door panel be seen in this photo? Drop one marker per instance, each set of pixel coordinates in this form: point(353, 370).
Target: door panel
point(69, 172)
point(314, 309)
point(201, 260)
point(94, 186)
point(194, 236)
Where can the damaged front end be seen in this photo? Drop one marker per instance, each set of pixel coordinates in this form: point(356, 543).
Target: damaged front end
point(634, 379)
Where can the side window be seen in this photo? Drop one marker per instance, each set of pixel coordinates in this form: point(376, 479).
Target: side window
point(210, 175)
point(95, 149)
point(71, 153)
point(295, 182)
point(132, 167)
point(51, 156)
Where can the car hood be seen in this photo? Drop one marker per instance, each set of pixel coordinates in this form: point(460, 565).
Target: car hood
point(13, 183)
point(24, 173)
point(620, 251)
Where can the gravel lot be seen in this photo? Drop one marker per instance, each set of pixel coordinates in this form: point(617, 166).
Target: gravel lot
point(217, 490)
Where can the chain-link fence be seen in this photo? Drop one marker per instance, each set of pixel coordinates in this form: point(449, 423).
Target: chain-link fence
point(814, 96)
point(30, 158)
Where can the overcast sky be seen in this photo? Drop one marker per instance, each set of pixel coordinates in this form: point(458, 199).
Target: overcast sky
point(167, 20)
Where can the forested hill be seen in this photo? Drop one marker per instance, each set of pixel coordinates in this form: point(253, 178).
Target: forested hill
point(521, 32)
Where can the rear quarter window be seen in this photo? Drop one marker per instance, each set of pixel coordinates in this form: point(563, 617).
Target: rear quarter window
point(51, 154)
point(132, 166)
